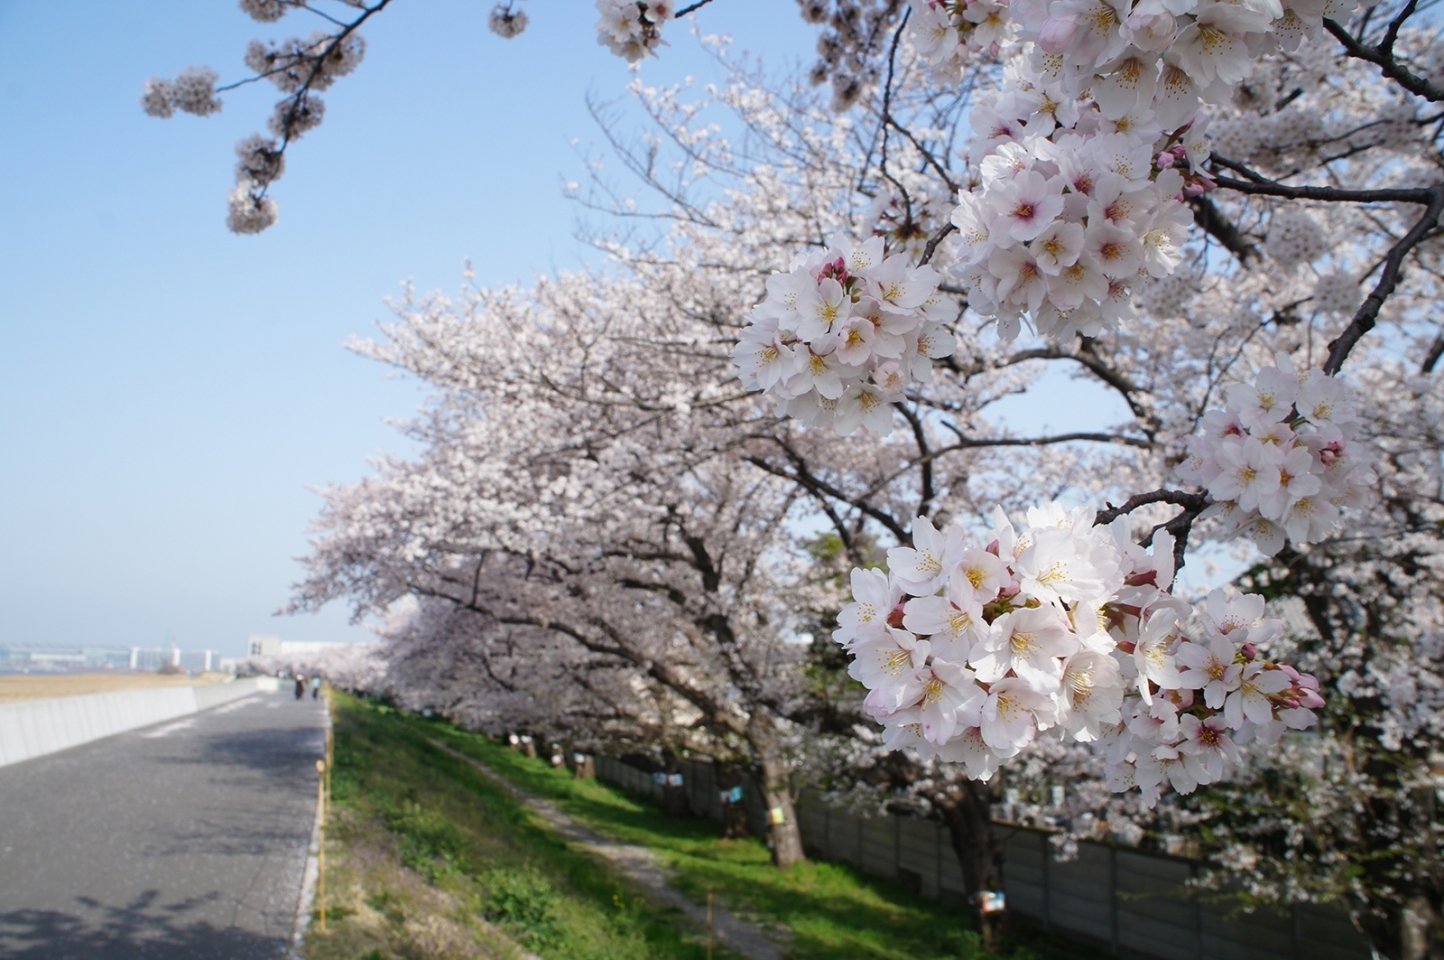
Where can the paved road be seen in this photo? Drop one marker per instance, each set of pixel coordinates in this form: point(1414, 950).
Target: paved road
point(183, 840)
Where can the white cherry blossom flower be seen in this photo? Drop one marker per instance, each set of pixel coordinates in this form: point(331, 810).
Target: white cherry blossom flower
point(1209, 667)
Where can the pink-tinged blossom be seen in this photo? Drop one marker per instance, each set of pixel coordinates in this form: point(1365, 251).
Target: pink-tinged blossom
point(1153, 654)
point(977, 576)
point(822, 309)
point(1020, 280)
point(1116, 252)
point(1024, 206)
point(950, 699)
point(874, 597)
point(1029, 643)
point(1206, 747)
point(954, 627)
point(1214, 45)
point(924, 567)
point(1296, 481)
point(1265, 401)
point(1051, 627)
point(864, 405)
point(887, 657)
point(1251, 700)
point(1248, 471)
point(1092, 692)
point(1165, 765)
point(1011, 716)
point(763, 359)
point(1057, 247)
point(1209, 667)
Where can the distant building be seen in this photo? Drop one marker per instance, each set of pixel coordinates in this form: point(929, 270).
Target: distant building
point(25, 659)
point(265, 645)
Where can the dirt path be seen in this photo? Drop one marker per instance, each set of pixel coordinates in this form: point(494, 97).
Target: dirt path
point(639, 863)
point(39, 686)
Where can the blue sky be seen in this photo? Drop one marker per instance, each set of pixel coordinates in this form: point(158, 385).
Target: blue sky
point(168, 391)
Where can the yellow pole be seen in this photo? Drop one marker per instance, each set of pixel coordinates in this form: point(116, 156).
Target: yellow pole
point(330, 742)
point(321, 848)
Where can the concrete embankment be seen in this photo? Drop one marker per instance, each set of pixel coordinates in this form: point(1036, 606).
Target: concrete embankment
point(33, 728)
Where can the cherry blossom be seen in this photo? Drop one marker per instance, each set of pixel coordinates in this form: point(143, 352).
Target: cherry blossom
point(1051, 648)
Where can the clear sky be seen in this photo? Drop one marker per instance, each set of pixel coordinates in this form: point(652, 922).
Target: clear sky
point(169, 391)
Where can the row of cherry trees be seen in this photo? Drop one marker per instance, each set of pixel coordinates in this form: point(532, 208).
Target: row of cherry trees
point(650, 495)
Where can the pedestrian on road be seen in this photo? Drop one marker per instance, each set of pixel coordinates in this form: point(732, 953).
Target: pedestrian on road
point(300, 686)
point(315, 687)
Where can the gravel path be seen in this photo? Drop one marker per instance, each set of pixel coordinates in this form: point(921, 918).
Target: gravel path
point(639, 863)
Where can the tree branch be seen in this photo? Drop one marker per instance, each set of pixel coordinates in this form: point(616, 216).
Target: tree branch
point(1368, 312)
point(1383, 57)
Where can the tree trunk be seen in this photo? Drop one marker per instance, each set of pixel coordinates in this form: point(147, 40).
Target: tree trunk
point(776, 786)
point(1418, 929)
point(966, 810)
point(675, 800)
point(734, 815)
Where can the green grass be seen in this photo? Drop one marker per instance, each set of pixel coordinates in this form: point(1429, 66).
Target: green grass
point(822, 911)
point(428, 860)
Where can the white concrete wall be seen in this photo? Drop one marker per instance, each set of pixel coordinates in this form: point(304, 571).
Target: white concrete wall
point(33, 728)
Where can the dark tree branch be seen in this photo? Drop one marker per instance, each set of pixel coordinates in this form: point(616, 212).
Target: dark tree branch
point(1368, 313)
point(1180, 526)
point(932, 246)
point(1212, 221)
point(1256, 184)
point(1178, 498)
point(1436, 350)
point(1383, 57)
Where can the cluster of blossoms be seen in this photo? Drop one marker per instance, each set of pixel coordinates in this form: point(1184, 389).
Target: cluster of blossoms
point(506, 21)
point(1070, 208)
point(843, 334)
point(970, 652)
point(299, 69)
point(632, 29)
point(1282, 458)
point(1085, 156)
point(947, 33)
point(192, 91)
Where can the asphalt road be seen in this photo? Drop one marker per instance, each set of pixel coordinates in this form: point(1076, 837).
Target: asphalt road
point(183, 840)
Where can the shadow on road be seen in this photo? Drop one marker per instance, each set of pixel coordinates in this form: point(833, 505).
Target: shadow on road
point(278, 753)
point(141, 928)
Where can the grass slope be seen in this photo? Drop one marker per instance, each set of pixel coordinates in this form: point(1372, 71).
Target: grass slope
point(428, 860)
point(822, 911)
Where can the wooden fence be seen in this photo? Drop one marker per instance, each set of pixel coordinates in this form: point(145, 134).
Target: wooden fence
point(1124, 900)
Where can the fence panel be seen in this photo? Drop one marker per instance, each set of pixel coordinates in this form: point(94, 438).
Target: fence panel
point(921, 843)
point(1154, 915)
point(879, 846)
point(1025, 871)
point(1080, 896)
point(1230, 935)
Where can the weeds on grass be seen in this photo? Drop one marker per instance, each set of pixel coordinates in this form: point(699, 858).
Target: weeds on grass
point(430, 844)
point(524, 902)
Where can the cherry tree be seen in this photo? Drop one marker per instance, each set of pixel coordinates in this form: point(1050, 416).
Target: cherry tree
point(1134, 192)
